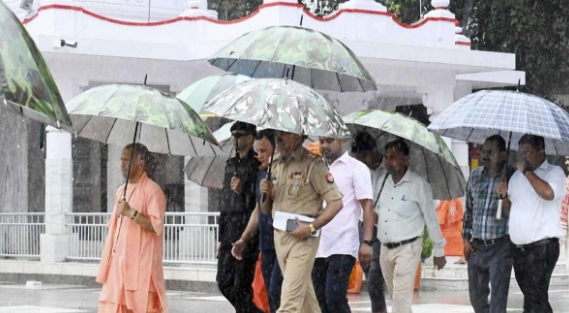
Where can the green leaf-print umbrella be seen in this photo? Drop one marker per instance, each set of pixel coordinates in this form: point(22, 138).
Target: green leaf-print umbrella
point(200, 92)
point(26, 85)
point(279, 104)
point(311, 58)
point(167, 125)
point(429, 155)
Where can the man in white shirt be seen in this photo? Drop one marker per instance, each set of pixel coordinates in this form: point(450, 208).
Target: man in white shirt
point(364, 149)
point(339, 239)
point(405, 206)
point(533, 200)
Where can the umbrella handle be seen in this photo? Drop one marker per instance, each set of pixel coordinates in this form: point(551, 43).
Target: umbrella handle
point(130, 161)
point(499, 210)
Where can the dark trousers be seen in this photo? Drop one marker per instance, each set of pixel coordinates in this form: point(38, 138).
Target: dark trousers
point(533, 266)
point(331, 277)
point(490, 268)
point(235, 279)
point(374, 277)
point(272, 277)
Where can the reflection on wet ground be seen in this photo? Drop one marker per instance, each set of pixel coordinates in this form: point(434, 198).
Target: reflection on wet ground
point(78, 299)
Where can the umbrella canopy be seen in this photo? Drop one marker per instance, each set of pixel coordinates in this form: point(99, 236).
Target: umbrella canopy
point(200, 92)
point(314, 59)
point(429, 156)
point(209, 171)
point(26, 85)
point(279, 104)
point(488, 112)
point(111, 114)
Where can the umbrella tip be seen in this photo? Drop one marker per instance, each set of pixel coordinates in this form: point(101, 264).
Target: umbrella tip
point(301, 18)
point(145, 78)
point(519, 83)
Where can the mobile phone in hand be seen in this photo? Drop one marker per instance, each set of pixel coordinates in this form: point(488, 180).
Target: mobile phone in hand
point(291, 225)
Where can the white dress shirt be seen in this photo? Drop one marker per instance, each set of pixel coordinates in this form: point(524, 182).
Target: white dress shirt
point(375, 183)
point(341, 234)
point(405, 208)
point(533, 218)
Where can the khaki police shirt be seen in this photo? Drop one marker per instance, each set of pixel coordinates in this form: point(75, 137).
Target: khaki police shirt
point(302, 183)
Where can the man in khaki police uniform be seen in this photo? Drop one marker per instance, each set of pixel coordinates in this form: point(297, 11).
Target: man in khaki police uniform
point(299, 184)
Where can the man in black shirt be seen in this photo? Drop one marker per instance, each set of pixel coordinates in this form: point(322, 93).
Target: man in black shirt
point(237, 202)
point(263, 224)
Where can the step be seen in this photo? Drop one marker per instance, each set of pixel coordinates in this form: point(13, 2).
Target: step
point(455, 276)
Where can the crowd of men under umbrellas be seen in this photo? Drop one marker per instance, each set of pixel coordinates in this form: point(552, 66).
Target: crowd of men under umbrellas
point(308, 273)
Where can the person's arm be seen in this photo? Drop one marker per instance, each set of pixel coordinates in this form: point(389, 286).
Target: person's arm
point(154, 221)
point(332, 208)
point(266, 187)
point(329, 192)
point(548, 190)
point(363, 190)
point(469, 203)
point(427, 205)
point(252, 226)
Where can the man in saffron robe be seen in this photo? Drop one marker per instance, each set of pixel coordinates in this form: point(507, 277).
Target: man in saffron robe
point(450, 214)
point(131, 269)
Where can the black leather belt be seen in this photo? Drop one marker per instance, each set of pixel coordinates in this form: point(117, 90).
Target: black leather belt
point(489, 242)
point(537, 243)
point(392, 245)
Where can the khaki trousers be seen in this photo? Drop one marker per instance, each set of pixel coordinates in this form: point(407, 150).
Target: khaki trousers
point(296, 259)
point(399, 266)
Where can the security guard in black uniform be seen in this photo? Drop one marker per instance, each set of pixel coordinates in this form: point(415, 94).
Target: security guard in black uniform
point(237, 202)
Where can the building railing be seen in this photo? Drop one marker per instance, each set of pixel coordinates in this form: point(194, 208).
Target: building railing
point(189, 238)
point(20, 234)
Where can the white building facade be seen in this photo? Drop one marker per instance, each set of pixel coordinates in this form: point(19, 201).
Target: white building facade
point(121, 41)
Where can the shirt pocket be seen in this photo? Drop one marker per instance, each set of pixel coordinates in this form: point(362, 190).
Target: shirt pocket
point(297, 189)
point(405, 209)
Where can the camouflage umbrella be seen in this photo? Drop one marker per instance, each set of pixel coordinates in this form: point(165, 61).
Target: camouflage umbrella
point(281, 105)
point(208, 171)
point(313, 58)
point(200, 92)
point(26, 85)
point(429, 155)
point(115, 113)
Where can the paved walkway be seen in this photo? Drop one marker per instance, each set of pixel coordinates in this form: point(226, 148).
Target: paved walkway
point(78, 299)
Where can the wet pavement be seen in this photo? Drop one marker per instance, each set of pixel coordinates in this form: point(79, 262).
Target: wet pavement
point(18, 298)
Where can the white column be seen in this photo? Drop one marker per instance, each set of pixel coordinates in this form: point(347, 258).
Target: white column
point(58, 195)
point(196, 196)
point(438, 98)
point(195, 200)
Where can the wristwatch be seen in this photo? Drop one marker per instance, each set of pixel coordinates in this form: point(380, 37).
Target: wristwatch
point(134, 214)
point(527, 169)
point(312, 229)
point(368, 242)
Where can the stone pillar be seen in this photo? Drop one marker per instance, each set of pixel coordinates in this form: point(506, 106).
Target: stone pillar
point(438, 98)
point(58, 195)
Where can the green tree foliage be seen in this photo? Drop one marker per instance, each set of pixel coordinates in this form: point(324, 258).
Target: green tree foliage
point(233, 9)
point(535, 30)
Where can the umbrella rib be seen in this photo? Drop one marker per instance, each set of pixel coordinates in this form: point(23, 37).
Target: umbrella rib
point(109, 99)
point(339, 83)
point(278, 46)
point(167, 140)
point(208, 169)
point(82, 128)
point(444, 175)
point(193, 146)
point(110, 130)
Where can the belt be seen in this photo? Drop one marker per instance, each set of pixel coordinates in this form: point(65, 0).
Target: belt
point(392, 245)
point(537, 243)
point(488, 242)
